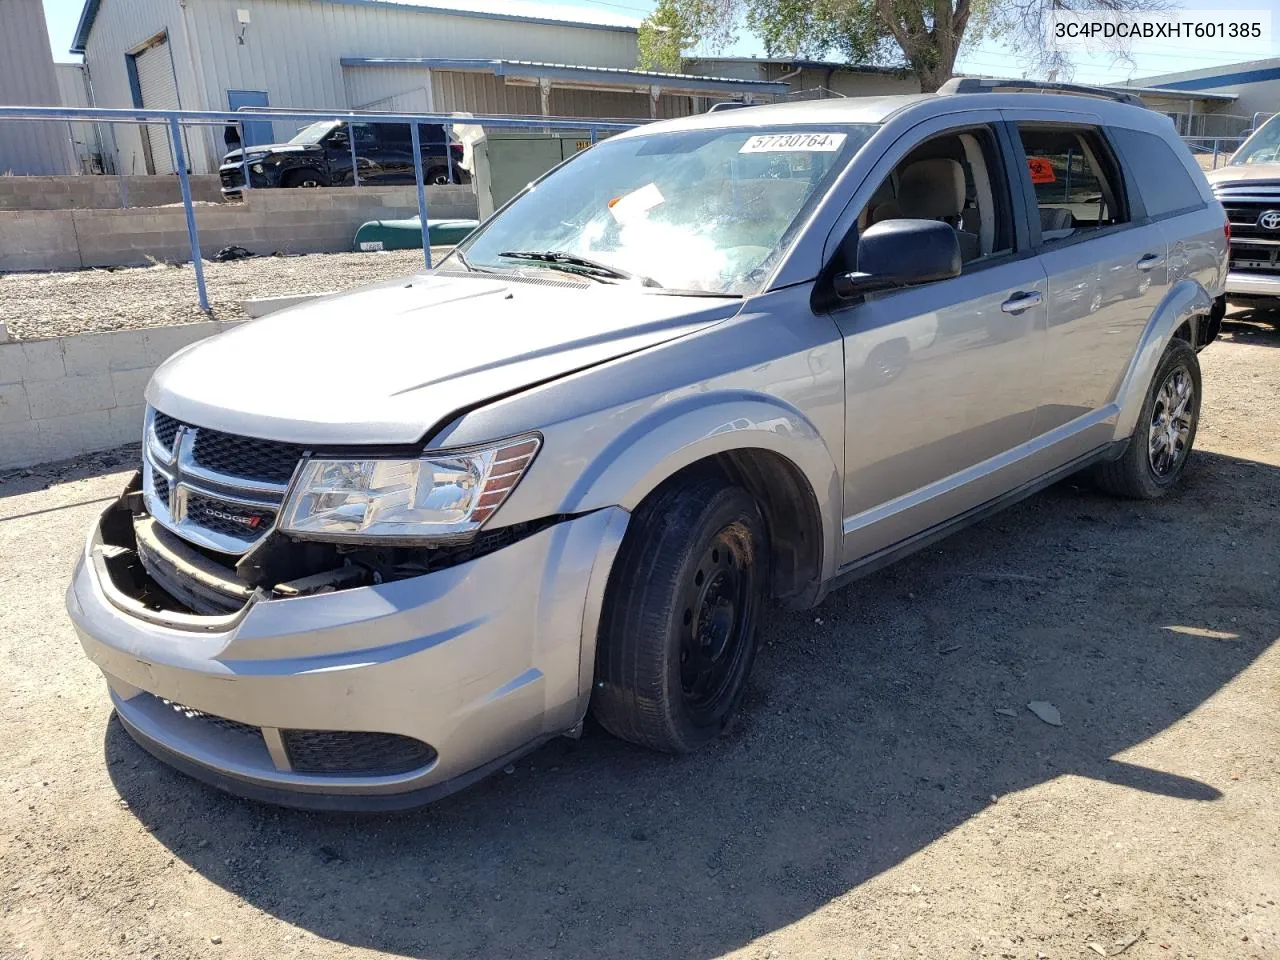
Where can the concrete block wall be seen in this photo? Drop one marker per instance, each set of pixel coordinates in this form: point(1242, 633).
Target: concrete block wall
point(67, 396)
point(101, 192)
point(289, 221)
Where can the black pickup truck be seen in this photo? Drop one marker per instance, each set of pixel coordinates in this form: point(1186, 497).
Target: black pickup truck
point(319, 155)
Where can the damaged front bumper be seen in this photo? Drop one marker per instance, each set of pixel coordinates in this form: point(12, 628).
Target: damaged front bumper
point(365, 697)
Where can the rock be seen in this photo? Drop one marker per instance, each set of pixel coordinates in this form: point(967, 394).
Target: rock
point(215, 939)
point(1046, 711)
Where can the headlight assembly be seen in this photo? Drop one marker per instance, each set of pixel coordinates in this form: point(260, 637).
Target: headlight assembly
point(445, 495)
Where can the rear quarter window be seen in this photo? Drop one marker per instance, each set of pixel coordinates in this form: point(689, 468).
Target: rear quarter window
point(1157, 173)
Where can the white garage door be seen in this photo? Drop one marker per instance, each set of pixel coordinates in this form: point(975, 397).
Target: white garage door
point(159, 92)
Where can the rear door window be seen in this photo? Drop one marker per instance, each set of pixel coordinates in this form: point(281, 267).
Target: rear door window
point(1165, 185)
point(1077, 185)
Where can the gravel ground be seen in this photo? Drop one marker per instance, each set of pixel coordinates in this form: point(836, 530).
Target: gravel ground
point(875, 800)
point(39, 305)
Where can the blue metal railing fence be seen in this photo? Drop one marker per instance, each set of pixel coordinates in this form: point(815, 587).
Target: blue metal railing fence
point(174, 120)
point(1221, 148)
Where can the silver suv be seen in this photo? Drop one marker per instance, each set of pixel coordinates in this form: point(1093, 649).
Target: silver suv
point(382, 544)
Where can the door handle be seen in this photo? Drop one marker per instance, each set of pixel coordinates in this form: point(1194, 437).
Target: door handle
point(1022, 300)
point(1150, 262)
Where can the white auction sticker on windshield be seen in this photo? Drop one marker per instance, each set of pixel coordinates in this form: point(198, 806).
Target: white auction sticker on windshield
point(636, 204)
point(786, 142)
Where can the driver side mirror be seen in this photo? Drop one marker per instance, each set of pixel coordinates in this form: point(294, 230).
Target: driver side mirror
point(901, 253)
point(339, 138)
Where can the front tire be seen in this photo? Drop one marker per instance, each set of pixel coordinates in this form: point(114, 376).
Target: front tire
point(678, 630)
point(302, 178)
point(1162, 439)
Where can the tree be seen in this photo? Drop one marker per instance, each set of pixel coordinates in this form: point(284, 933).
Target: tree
point(923, 36)
point(664, 36)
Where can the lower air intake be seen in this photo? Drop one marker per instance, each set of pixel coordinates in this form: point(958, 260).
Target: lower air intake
point(354, 754)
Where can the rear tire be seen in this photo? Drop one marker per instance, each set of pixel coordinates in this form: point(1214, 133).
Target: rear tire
point(1164, 434)
point(678, 631)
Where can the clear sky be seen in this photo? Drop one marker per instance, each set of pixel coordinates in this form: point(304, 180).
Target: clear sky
point(989, 58)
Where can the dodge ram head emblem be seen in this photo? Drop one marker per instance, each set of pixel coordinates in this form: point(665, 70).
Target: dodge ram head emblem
point(1269, 220)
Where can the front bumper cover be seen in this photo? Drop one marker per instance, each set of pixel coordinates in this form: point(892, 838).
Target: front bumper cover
point(482, 661)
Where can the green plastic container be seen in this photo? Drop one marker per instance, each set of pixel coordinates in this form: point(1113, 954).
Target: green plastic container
point(407, 234)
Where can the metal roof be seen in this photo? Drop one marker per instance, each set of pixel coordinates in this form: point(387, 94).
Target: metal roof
point(808, 64)
point(613, 76)
point(520, 11)
point(1175, 92)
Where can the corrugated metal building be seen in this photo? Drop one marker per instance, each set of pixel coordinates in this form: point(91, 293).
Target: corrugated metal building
point(812, 79)
point(27, 79)
point(73, 88)
point(1216, 101)
point(434, 55)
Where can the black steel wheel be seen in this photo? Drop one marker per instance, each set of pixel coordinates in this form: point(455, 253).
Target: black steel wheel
point(678, 631)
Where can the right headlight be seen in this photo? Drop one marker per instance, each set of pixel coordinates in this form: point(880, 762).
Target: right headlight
point(445, 495)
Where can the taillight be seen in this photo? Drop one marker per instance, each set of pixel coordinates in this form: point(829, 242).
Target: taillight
point(455, 149)
point(1226, 229)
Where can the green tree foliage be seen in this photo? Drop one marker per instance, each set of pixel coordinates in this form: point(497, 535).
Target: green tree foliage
point(923, 36)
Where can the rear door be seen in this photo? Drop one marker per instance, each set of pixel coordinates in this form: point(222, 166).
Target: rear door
point(394, 153)
point(1107, 269)
point(1176, 197)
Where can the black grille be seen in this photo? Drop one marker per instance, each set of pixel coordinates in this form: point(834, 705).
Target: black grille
point(228, 519)
point(1244, 220)
point(166, 428)
point(248, 457)
point(222, 723)
point(339, 753)
point(161, 486)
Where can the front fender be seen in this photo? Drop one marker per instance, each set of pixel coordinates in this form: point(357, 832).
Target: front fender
point(678, 434)
point(1184, 303)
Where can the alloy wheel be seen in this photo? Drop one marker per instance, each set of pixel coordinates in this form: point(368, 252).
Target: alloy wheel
point(1171, 422)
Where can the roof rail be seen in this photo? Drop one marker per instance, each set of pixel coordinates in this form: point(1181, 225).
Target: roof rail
point(983, 85)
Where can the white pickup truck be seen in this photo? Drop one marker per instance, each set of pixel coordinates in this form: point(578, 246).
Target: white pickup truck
point(1249, 187)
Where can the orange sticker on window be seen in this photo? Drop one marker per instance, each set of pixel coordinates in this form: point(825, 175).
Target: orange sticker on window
point(1041, 170)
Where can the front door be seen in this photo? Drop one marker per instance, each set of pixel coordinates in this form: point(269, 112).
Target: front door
point(942, 378)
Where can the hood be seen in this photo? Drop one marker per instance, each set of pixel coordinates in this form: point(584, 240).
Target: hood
point(384, 364)
point(235, 155)
point(1243, 172)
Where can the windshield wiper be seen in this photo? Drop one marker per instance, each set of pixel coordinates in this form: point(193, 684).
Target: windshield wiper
point(556, 258)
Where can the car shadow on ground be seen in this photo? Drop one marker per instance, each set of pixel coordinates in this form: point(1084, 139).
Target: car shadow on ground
point(872, 728)
point(1252, 325)
point(20, 480)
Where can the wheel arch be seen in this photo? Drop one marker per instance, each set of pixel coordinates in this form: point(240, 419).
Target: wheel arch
point(1178, 315)
point(754, 440)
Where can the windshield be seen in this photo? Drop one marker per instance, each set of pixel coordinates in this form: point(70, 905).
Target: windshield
point(313, 133)
point(1263, 146)
point(697, 210)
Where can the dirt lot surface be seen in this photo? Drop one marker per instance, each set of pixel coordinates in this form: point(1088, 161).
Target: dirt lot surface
point(38, 305)
point(886, 793)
